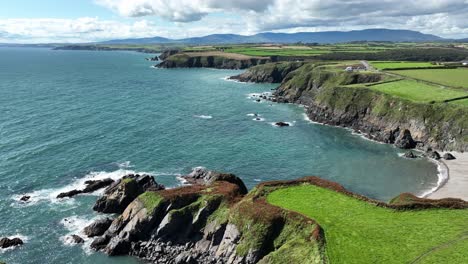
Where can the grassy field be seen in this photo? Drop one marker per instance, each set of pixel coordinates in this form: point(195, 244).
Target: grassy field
point(358, 232)
point(400, 64)
point(420, 91)
point(264, 51)
point(449, 77)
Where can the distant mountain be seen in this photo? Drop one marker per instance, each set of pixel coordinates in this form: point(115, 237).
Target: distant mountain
point(306, 37)
point(153, 40)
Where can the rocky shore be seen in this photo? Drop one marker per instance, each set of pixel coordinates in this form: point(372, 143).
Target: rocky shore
point(334, 97)
point(212, 220)
point(215, 220)
point(218, 60)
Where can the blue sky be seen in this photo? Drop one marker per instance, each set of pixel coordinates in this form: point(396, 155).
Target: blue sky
point(53, 9)
point(35, 21)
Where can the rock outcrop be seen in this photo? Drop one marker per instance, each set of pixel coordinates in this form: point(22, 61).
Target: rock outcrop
point(119, 195)
point(75, 239)
point(167, 53)
point(210, 221)
point(340, 98)
point(98, 228)
point(268, 73)
point(281, 124)
point(448, 156)
point(216, 60)
point(410, 155)
point(91, 186)
point(6, 242)
point(404, 140)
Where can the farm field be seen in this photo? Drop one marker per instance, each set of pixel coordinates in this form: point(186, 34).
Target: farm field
point(400, 64)
point(420, 92)
point(359, 232)
point(449, 77)
point(263, 51)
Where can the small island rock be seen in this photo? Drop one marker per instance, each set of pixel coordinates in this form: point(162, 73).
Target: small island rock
point(448, 156)
point(13, 242)
point(281, 124)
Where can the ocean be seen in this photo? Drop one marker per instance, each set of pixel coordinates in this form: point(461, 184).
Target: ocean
point(68, 116)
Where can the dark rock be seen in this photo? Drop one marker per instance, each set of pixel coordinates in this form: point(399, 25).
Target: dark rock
point(76, 239)
point(405, 140)
point(448, 156)
point(100, 242)
point(168, 53)
point(92, 186)
point(119, 195)
point(410, 155)
point(98, 228)
point(281, 124)
point(434, 155)
point(25, 198)
point(69, 194)
point(7, 242)
point(201, 175)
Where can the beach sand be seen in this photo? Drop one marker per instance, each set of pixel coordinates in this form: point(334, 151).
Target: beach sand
point(457, 184)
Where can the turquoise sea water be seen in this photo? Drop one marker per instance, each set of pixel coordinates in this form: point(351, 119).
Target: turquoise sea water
point(66, 116)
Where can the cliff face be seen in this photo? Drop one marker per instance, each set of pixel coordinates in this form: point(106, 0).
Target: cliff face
point(211, 60)
point(380, 116)
point(340, 98)
point(268, 73)
point(212, 221)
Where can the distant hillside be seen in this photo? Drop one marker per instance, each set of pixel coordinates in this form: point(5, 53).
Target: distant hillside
point(307, 37)
point(153, 40)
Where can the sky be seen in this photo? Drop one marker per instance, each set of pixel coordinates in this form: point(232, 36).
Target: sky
point(71, 21)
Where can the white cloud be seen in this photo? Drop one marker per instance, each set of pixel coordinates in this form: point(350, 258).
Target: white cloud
point(189, 18)
point(267, 15)
point(180, 10)
point(87, 29)
point(84, 29)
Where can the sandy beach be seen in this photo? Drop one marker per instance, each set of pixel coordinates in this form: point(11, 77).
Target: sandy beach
point(457, 184)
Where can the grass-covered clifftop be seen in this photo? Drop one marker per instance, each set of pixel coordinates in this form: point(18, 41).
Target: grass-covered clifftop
point(212, 59)
point(309, 220)
point(359, 230)
point(380, 105)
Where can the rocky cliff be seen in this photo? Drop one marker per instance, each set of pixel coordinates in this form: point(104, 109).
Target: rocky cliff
point(268, 73)
point(213, 220)
point(340, 98)
point(217, 60)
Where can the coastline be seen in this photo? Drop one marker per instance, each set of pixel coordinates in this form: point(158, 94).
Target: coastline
point(456, 185)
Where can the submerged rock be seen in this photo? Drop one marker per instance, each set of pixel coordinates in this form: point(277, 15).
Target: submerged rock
point(97, 228)
point(25, 198)
point(13, 242)
point(69, 194)
point(119, 195)
point(405, 140)
point(91, 186)
point(76, 239)
point(282, 124)
point(448, 156)
point(434, 155)
point(410, 155)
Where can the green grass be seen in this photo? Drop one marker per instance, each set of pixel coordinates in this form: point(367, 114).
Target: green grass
point(400, 64)
point(420, 91)
point(258, 51)
point(150, 200)
point(449, 77)
point(358, 232)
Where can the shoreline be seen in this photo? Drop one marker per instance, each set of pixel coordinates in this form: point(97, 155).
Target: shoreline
point(448, 185)
point(456, 185)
